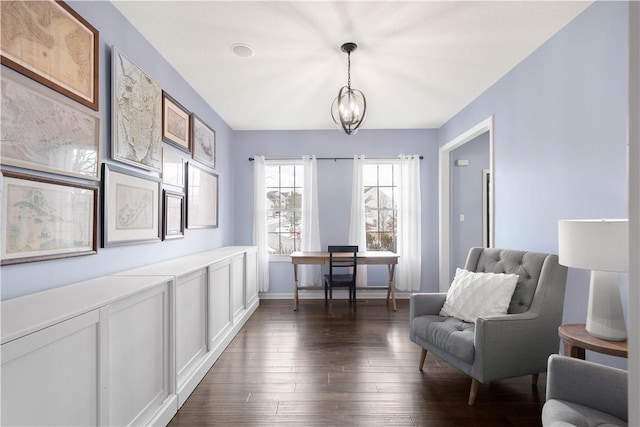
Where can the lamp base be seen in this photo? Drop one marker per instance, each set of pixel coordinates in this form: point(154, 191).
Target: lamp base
point(605, 318)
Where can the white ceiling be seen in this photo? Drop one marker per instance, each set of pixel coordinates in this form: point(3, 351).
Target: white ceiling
point(418, 62)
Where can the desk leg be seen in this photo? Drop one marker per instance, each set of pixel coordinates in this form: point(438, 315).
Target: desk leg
point(390, 291)
point(295, 289)
point(573, 351)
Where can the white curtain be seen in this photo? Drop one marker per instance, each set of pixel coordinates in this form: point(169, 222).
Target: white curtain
point(357, 232)
point(310, 274)
point(260, 222)
point(408, 274)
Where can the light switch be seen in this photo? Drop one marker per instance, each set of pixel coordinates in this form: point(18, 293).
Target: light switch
point(461, 217)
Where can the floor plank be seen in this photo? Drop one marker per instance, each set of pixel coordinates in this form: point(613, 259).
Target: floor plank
point(318, 368)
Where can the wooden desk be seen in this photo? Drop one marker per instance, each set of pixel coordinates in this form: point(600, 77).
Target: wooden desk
point(367, 258)
point(576, 340)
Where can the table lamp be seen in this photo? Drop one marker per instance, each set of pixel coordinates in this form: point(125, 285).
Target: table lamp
point(599, 245)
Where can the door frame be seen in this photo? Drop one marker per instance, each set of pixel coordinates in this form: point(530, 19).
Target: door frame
point(444, 196)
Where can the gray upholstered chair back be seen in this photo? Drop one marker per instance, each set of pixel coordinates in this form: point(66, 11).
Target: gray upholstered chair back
point(527, 265)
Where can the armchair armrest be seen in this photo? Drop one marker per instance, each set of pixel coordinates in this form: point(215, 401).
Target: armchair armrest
point(512, 345)
point(597, 386)
point(423, 304)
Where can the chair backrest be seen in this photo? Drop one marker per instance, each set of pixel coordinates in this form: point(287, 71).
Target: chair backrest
point(343, 256)
point(532, 268)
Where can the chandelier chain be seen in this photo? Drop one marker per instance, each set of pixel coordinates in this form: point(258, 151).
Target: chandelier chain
point(349, 70)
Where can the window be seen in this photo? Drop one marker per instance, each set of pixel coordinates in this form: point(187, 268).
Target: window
point(381, 206)
point(284, 186)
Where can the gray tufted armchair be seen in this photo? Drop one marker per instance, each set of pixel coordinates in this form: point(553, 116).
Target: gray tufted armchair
point(504, 346)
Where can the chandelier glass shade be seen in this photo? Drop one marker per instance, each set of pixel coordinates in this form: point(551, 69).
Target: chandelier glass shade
point(349, 109)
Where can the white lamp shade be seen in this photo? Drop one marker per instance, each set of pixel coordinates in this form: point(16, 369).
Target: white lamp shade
point(594, 244)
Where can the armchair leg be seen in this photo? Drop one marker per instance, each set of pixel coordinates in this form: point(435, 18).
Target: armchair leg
point(475, 385)
point(534, 379)
point(423, 356)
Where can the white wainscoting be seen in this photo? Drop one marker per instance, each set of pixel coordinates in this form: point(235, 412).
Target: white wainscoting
point(125, 349)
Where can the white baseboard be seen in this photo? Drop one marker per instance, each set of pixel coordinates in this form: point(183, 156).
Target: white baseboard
point(362, 295)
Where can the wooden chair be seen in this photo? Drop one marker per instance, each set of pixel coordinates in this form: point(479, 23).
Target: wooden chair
point(343, 261)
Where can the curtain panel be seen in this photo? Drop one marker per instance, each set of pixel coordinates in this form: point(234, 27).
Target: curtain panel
point(357, 230)
point(409, 244)
point(310, 275)
point(260, 222)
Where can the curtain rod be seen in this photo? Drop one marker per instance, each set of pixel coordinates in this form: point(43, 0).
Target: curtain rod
point(329, 158)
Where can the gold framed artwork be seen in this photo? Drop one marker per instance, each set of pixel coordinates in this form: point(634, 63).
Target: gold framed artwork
point(202, 197)
point(176, 124)
point(136, 116)
point(43, 131)
point(50, 43)
point(203, 142)
point(131, 207)
point(47, 219)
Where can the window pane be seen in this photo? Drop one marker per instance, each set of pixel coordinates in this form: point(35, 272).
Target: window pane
point(386, 198)
point(385, 174)
point(275, 199)
point(369, 175)
point(387, 221)
point(272, 177)
point(371, 197)
point(293, 198)
point(380, 207)
point(284, 215)
point(286, 176)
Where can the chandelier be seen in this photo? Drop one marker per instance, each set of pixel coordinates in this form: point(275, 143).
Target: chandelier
point(349, 109)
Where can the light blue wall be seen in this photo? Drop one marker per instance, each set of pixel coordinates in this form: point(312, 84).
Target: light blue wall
point(560, 152)
point(334, 187)
point(560, 138)
point(115, 30)
point(466, 198)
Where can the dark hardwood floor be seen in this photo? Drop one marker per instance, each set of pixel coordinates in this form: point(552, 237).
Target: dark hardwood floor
point(315, 368)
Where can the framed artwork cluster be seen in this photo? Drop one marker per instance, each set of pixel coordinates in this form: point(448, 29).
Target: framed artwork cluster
point(51, 125)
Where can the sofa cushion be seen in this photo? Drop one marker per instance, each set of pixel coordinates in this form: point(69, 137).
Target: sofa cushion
point(474, 295)
point(450, 334)
point(561, 413)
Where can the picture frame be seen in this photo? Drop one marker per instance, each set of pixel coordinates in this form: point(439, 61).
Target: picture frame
point(136, 115)
point(176, 123)
point(202, 197)
point(203, 142)
point(130, 207)
point(43, 131)
point(67, 62)
point(173, 219)
point(172, 168)
point(44, 218)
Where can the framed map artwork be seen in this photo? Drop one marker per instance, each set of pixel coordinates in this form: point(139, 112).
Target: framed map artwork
point(131, 207)
point(202, 198)
point(50, 43)
point(173, 215)
point(136, 115)
point(43, 131)
point(46, 219)
point(176, 125)
point(203, 142)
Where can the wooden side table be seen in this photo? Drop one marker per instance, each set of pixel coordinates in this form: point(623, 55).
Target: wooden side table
point(576, 340)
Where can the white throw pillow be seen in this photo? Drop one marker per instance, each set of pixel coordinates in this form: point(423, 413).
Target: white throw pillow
point(473, 295)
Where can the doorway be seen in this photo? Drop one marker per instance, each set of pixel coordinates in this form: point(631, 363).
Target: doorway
point(444, 160)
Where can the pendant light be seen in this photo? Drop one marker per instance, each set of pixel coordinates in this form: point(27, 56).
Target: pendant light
point(349, 109)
